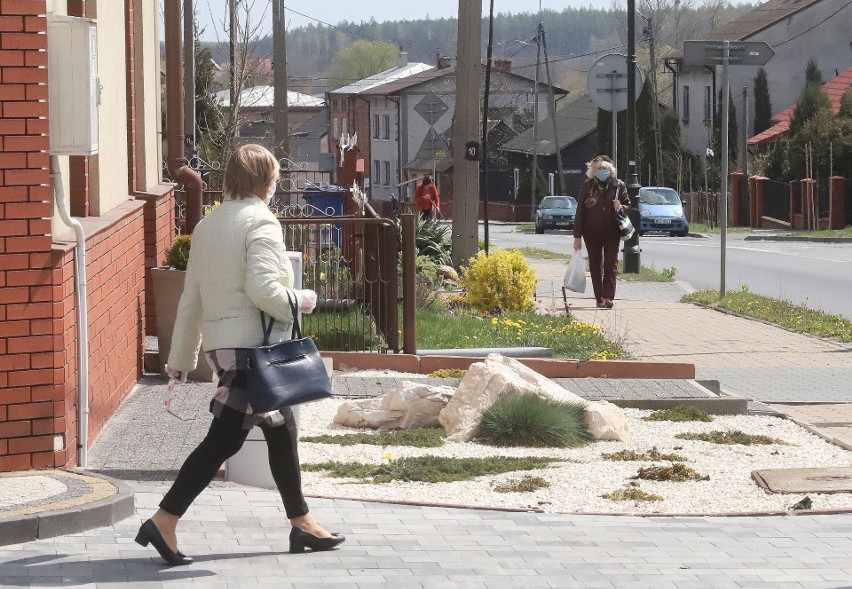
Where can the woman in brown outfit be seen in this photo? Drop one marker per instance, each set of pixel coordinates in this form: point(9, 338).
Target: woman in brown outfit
point(601, 194)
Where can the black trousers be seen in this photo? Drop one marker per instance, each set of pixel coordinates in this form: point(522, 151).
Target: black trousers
point(602, 247)
point(224, 439)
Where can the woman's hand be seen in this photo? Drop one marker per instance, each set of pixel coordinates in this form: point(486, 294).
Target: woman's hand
point(578, 244)
point(616, 204)
point(307, 300)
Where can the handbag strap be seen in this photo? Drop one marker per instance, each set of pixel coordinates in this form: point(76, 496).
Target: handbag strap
point(267, 329)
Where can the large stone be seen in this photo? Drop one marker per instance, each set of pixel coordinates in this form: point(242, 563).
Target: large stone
point(487, 381)
point(411, 405)
point(606, 421)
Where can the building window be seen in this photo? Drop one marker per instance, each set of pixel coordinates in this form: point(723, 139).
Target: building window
point(377, 173)
point(387, 128)
point(334, 130)
point(387, 174)
point(685, 113)
point(344, 127)
point(708, 104)
point(375, 126)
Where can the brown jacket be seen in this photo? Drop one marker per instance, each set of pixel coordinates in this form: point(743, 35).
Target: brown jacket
point(595, 214)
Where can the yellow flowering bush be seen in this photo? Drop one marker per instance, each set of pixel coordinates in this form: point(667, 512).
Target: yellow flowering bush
point(501, 279)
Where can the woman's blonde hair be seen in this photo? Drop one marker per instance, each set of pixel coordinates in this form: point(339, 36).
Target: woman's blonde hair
point(602, 161)
point(250, 171)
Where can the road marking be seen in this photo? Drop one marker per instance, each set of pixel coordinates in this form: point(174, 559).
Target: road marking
point(758, 250)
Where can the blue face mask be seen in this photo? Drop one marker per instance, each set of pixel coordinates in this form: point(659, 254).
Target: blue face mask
point(603, 174)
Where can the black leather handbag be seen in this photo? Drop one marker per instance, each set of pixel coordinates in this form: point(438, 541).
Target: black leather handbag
point(286, 373)
point(622, 221)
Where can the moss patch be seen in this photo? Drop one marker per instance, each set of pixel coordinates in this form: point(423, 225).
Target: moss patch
point(448, 373)
point(632, 494)
point(428, 437)
point(650, 455)
point(676, 472)
point(679, 413)
point(429, 469)
point(527, 484)
point(731, 437)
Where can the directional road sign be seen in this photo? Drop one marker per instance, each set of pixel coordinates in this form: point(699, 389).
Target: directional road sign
point(740, 52)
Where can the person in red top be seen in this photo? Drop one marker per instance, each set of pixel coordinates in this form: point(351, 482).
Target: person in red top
point(426, 198)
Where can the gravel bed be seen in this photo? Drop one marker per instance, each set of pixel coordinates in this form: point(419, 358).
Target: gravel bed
point(577, 484)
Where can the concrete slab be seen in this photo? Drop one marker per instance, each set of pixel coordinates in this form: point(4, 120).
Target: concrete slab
point(804, 480)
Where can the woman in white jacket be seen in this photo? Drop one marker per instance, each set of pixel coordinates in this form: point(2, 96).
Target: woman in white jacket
point(237, 268)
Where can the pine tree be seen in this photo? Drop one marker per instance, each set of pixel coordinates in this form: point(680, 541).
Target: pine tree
point(813, 75)
point(762, 103)
point(732, 129)
point(812, 100)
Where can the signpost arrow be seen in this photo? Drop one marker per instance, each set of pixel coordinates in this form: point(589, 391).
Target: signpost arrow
point(725, 53)
point(740, 52)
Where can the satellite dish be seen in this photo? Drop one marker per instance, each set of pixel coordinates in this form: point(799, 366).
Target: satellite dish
point(607, 82)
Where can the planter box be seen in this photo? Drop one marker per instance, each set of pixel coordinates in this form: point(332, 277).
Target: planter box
point(168, 287)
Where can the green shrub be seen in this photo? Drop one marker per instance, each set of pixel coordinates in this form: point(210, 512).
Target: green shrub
point(650, 455)
point(426, 281)
point(731, 437)
point(632, 494)
point(677, 472)
point(527, 484)
point(433, 241)
point(530, 421)
point(177, 254)
point(448, 373)
point(427, 437)
point(501, 279)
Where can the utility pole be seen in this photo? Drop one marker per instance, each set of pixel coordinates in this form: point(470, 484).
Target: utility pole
point(552, 106)
point(655, 110)
point(465, 130)
point(232, 47)
point(281, 124)
point(189, 77)
point(534, 173)
point(484, 160)
point(631, 246)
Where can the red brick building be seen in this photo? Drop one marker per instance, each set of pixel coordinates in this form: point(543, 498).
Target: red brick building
point(127, 218)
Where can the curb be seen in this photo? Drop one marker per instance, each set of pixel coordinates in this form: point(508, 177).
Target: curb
point(120, 505)
point(548, 367)
point(798, 238)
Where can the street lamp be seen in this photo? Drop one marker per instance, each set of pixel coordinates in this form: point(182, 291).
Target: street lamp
point(631, 246)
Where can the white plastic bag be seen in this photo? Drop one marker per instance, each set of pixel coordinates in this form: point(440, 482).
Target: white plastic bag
point(575, 274)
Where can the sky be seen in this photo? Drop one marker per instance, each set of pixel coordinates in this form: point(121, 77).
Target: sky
point(212, 13)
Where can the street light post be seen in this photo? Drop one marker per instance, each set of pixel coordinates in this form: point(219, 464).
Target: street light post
point(631, 246)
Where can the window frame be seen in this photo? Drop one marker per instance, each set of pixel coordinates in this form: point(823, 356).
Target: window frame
point(685, 107)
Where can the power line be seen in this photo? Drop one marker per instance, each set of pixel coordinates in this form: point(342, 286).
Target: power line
point(814, 26)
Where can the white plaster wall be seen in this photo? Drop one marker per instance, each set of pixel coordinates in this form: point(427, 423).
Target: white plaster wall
point(384, 150)
point(148, 113)
point(828, 42)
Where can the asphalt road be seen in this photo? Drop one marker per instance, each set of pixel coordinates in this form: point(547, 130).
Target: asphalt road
point(818, 275)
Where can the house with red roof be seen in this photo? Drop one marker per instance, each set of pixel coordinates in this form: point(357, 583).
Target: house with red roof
point(835, 89)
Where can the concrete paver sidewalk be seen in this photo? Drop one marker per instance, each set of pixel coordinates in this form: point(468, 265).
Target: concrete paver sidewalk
point(239, 534)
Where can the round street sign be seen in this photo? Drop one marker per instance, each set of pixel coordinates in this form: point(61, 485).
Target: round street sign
point(607, 82)
point(471, 150)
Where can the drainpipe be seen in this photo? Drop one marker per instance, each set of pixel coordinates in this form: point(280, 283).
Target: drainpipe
point(179, 170)
point(82, 312)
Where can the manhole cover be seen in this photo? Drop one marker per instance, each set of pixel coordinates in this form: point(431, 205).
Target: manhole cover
point(805, 480)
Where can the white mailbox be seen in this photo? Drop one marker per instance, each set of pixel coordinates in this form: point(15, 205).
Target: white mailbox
point(73, 86)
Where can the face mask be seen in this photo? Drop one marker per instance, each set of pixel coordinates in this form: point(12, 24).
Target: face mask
point(603, 174)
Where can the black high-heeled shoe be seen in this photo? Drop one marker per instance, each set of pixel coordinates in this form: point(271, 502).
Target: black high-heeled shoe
point(300, 539)
point(148, 533)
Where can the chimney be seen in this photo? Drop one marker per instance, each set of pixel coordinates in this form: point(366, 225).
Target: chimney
point(444, 62)
point(403, 59)
point(503, 65)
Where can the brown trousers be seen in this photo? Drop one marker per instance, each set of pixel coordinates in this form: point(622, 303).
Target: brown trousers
point(603, 262)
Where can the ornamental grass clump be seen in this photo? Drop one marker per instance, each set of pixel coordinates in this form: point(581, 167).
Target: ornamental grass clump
point(426, 437)
point(527, 420)
point(502, 279)
point(679, 413)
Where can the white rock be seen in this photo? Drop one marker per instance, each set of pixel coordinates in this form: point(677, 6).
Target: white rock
point(487, 381)
point(411, 405)
point(606, 421)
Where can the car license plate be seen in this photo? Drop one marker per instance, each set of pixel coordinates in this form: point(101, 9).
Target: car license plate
point(663, 221)
point(563, 223)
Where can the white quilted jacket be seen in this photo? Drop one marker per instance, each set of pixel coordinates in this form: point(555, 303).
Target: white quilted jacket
point(237, 267)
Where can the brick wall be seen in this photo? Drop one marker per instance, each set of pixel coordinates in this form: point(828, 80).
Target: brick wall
point(38, 308)
point(28, 333)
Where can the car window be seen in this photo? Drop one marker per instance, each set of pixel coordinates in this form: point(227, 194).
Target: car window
point(558, 202)
point(658, 196)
